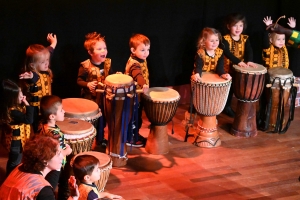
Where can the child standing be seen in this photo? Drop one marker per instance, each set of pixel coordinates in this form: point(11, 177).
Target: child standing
point(86, 170)
point(52, 111)
point(137, 68)
point(16, 116)
point(38, 74)
point(93, 71)
point(237, 50)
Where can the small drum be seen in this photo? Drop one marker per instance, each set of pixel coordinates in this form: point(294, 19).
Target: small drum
point(209, 99)
point(248, 85)
point(118, 105)
point(104, 166)
point(79, 134)
point(160, 104)
point(280, 87)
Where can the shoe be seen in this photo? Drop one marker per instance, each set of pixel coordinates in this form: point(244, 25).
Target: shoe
point(229, 112)
point(135, 144)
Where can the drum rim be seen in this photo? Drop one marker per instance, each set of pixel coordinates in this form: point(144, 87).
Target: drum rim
point(243, 70)
point(92, 153)
point(80, 114)
point(110, 84)
point(156, 100)
point(60, 124)
point(224, 81)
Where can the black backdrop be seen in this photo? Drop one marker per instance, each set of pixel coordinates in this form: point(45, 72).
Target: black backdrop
point(172, 26)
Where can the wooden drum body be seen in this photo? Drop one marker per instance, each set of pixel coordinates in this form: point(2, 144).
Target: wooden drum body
point(248, 85)
point(79, 134)
point(281, 83)
point(105, 165)
point(118, 106)
point(83, 109)
point(209, 99)
point(160, 104)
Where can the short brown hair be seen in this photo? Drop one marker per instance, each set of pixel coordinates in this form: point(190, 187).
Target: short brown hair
point(84, 165)
point(49, 105)
point(234, 18)
point(91, 39)
point(38, 151)
point(206, 32)
point(138, 39)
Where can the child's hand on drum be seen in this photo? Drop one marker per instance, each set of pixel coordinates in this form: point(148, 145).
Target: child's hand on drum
point(26, 75)
point(268, 21)
point(92, 85)
point(242, 64)
point(226, 76)
point(196, 77)
point(145, 88)
point(252, 64)
point(119, 73)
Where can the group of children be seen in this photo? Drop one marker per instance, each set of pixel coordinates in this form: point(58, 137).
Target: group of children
point(215, 53)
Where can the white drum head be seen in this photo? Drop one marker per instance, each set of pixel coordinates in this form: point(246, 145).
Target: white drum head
point(79, 108)
point(251, 70)
point(162, 94)
point(75, 127)
point(280, 72)
point(118, 80)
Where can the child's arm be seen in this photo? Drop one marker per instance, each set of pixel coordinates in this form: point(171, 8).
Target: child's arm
point(51, 38)
point(31, 77)
point(229, 55)
point(109, 195)
point(197, 68)
point(19, 117)
point(249, 54)
point(220, 68)
point(136, 73)
point(73, 187)
point(82, 75)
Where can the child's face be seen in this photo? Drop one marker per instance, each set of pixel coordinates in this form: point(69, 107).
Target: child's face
point(60, 113)
point(95, 175)
point(20, 96)
point(42, 64)
point(278, 40)
point(212, 42)
point(237, 29)
point(141, 51)
point(99, 53)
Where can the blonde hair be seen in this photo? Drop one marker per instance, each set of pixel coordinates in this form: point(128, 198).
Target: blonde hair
point(206, 32)
point(91, 39)
point(274, 35)
point(137, 39)
point(33, 54)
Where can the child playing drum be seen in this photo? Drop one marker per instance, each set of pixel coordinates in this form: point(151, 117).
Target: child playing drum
point(137, 68)
point(93, 71)
point(237, 50)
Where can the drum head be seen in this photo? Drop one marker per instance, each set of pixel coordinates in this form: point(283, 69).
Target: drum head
point(118, 80)
point(280, 72)
point(162, 94)
point(74, 126)
point(79, 108)
point(251, 70)
point(212, 78)
point(103, 158)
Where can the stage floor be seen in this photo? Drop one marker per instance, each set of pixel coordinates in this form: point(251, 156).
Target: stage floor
point(264, 167)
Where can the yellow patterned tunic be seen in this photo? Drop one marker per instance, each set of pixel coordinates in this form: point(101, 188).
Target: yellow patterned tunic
point(142, 66)
point(275, 57)
point(206, 63)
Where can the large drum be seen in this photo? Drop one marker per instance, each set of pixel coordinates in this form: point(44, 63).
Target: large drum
point(248, 85)
point(105, 165)
point(160, 104)
point(79, 134)
point(119, 100)
point(280, 87)
point(209, 99)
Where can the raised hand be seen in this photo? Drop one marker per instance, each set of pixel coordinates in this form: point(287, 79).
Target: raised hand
point(292, 22)
point(268, 21)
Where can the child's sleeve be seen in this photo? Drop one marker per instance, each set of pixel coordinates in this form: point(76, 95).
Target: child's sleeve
point(225, 47)
point(92, 195)
point(81, 78)
point(248, 56)
point(220, 65)
point(19, 117)
point(136, 73)
point(294, 40)
point(198, 64)
point(266, 40)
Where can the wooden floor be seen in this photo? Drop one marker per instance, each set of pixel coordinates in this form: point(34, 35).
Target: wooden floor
point(264, 167)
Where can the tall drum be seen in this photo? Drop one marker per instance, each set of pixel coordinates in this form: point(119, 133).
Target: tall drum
point(209, 99)
point(160, 104)
point(248, 85)
point(118, 106)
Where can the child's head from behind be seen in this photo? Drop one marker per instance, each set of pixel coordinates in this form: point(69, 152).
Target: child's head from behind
point(139, 46)
point(86, 168)
point(37, 58)
point(278, 40)
point(236, 23)
point(96, 47)
point(209, 39)
point(51, 108)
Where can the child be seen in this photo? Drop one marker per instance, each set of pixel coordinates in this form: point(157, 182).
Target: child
point(93, 71)
point(86, 170)
point(16, 115)
point(237, 49)
point(136, 67)
point(52, 111)
point(38, 74)
point(275, 53)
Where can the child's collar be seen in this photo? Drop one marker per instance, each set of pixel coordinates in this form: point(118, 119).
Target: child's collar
point(137, 59)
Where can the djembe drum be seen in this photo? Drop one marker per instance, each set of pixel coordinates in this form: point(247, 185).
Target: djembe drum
point(119, 96)
point(79, 134)
point(160, 104)
point(105, 165)
point(209, 99)
point(281, 87)
point(248, 85)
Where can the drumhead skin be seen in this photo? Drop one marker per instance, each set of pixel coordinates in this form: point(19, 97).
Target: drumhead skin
point(280, 72)
point(118, 80)
point(212, 78)
point(79, 108)
point(103, 158)
point(75, 126)
point(251, 70)
point(161, 94)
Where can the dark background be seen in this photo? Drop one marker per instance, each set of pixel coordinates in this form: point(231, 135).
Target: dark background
point(172, 26)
